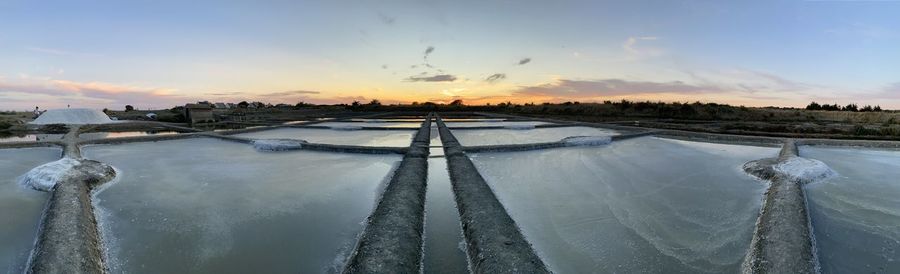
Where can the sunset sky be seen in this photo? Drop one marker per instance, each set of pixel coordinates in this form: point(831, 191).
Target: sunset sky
point(158, 54)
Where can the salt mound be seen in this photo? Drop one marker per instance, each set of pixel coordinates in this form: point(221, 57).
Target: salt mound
point(587, 140)
point(519, 127)
point(277, 144)
point(72, 116)
point(45, 177)
point(805, 170)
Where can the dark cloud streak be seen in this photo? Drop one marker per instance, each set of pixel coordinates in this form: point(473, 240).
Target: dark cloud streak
point(496, 77)
point(436, 78)
point(524, 61)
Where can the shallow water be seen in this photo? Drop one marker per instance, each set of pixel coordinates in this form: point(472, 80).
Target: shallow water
point(480, 137)
point(105, 135)
point(856, 215)
point(493, 123)
point(211, 206)
point(20, 207)
point(644, 205)
point(385, 138)
point(444, 247)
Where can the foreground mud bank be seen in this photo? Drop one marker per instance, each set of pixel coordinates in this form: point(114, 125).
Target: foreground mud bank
point(494, 242)
point(392, 240)
point(782, 241)
point(68, 240)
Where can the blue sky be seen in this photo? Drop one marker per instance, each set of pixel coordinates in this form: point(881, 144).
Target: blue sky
point(163, 53)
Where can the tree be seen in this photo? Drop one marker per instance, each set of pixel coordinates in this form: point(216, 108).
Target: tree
point(813, 106)
point(877, 108)
point(375, 103)
point(457, 103)
point(851, 107)
point(243, 104)
point(129, 108)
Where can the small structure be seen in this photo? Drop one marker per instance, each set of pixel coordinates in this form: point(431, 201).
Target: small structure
point(198, 113)
point(221, 106)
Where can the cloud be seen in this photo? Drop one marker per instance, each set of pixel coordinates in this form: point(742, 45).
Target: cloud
point(48, 50)
point(524, 61)
point(386, 19)
point(57, 93)
point(496, 77)
point(634, 51)
point(611, 87)
point(436, 78)
point(891, 92)
point(861, 31)
point(289, 93)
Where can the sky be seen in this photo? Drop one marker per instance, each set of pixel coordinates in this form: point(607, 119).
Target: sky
point(158, 54)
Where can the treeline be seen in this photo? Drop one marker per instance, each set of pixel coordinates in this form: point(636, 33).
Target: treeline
point(836, 107)
point(622, 108)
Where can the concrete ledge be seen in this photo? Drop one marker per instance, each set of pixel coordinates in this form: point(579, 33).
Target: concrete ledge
point(360, 128)
point(545, 145)
point(32, 144)
point(68, 239)
point(506, 127)
point(355, 149)
point(392, 241)
point(850, 143)
point(247, 130)
point(782, 241)
point(138, 139)
point(720, 138)
point(494, 242)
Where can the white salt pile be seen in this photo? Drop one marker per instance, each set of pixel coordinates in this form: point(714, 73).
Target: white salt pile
point(805, 170)
point(277, 144)
point(45, 177)
point(72, 116)
point(587, 140)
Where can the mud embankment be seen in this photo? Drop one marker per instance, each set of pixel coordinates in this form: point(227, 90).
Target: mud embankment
point(494, 242)
point(392, 240)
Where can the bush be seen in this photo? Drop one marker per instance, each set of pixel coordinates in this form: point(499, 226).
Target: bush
point(5, 125)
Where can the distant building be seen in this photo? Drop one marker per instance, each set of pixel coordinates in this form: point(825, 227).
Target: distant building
point(221, 106)
point(232, 105)
point(198, 113)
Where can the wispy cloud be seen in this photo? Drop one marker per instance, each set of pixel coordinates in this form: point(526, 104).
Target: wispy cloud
point(435, 78)
point(524, 61)
point(64, 92)
point(386, 19)
point(636, 51)
point(861, 31)
point(496, 77)
point(611, 87)
point(290, 93)
point(48, 51)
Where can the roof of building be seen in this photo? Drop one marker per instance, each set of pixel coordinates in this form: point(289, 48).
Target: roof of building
point(197, 106)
